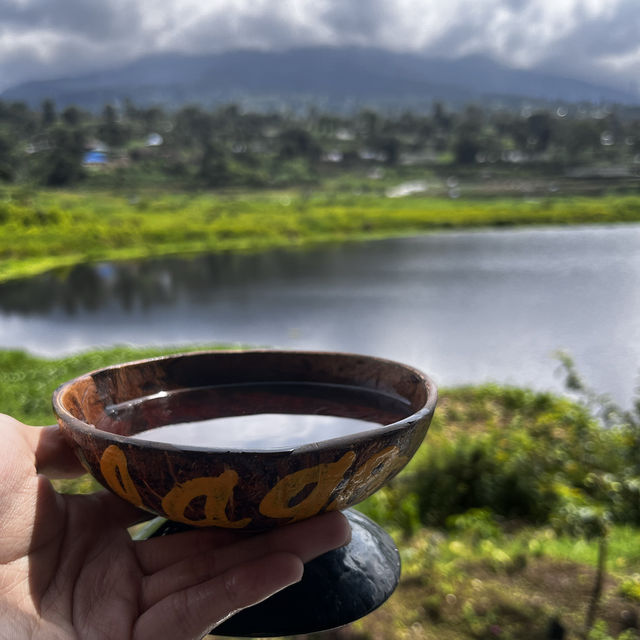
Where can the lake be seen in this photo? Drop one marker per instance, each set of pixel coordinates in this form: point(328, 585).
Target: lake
point(466, 307)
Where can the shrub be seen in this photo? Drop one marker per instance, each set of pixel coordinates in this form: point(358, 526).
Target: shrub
point(519, 455)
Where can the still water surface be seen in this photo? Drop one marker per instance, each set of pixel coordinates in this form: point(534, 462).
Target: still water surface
point(265, 431)
point(466, 307)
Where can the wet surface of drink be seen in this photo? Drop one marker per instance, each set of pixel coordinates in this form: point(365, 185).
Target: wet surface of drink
point(255, 416)
point(259, 431)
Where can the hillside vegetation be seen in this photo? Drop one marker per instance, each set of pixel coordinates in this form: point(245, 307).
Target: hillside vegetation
point(48, 229)
point(132, 182)
point(125, 145)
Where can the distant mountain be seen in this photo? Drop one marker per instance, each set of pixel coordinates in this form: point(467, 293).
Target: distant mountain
point(336, 78)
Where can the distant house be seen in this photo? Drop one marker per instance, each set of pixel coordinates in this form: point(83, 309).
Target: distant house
point(153, 140)
point(37, 144)
point(95, 154)
point(333, 156)
point(94, 158)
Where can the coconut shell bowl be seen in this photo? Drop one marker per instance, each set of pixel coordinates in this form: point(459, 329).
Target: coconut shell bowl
point(252, 487)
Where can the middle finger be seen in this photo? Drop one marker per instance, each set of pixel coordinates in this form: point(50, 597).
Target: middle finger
point(307, 540)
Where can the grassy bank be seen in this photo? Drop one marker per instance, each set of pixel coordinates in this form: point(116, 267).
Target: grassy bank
point(42, 230)
point(500, 516)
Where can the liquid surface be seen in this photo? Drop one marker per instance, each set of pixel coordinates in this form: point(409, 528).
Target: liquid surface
point(257, 432)
point(256, 416)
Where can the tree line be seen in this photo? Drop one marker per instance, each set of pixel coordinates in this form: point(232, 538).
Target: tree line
point(227, 146)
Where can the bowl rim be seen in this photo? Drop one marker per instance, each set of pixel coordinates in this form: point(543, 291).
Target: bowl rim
point(77, 425)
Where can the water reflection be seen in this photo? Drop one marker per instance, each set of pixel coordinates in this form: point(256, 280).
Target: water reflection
point(202, 281)
point(142, 285)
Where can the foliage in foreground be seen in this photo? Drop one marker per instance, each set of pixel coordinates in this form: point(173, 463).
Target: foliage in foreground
point(498, 517)
point(526, 456)
point(483, 580)
point(43, 230)
point(519, 519)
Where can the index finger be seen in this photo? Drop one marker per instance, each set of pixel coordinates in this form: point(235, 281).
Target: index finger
point(155, 554)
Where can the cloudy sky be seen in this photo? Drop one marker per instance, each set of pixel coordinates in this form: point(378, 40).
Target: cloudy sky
point(590, 39)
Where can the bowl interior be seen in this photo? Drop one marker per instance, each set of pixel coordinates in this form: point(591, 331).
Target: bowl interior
point(128, 399)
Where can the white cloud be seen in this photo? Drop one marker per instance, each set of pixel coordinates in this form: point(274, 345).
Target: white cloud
point(596, 39)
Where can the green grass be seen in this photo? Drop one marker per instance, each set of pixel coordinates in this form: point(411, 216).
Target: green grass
point(623, 549)
point(27, 382)
point(42, 230)
point(509, 585)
